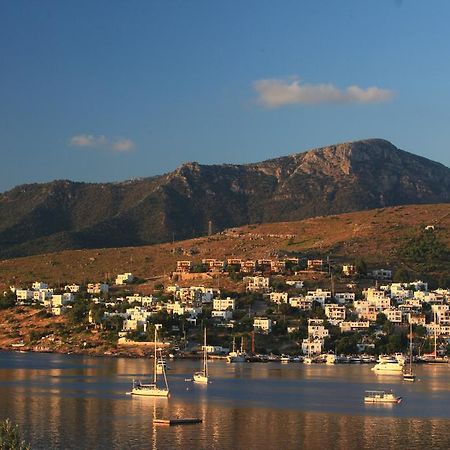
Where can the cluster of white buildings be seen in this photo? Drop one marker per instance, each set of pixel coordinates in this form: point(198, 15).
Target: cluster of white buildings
point(41, 294)
point(321, 296)
point(60, 300)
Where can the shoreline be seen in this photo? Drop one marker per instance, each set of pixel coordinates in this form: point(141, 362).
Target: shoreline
point(84, 352)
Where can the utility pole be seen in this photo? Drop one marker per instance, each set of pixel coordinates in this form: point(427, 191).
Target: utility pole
point(253, 342)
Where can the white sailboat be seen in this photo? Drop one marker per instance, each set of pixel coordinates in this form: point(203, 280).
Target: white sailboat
point(202, 376)
point(409, 375)
point(152, 389)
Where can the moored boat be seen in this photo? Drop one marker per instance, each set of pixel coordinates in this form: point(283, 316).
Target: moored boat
point(152, 389)
point(388, 367)
point(381, 397)
point(236, 356)
point(202, 376)
point(409, 375)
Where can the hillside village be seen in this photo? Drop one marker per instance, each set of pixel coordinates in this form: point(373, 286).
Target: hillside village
point(289, 305)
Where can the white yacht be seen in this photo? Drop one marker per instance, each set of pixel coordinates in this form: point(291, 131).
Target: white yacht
point(152, 389)
point(388, 367)
point(202, 376)
point(381, 397)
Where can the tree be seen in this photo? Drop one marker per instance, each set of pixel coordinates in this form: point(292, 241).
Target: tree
point(77, 314)
point(347, 344)
point(317, 311)
point(361, 267)
point(8, 300)
point(97, 312)
point(286, 309)
point(114, 323)
point(401, 275)
point(10, 438)
point(381, 319)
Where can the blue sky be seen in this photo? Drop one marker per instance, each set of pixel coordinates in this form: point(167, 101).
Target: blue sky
point(111, 90)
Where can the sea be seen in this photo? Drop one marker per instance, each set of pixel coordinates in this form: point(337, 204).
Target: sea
point(78, 402)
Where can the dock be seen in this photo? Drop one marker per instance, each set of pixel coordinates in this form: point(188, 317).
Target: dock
point(177, 421)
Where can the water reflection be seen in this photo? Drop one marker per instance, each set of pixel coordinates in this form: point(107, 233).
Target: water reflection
point(76, 403)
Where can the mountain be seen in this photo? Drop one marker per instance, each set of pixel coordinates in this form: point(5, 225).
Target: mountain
point(41, 218)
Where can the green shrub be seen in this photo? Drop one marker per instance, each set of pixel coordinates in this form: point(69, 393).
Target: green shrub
point(10, 438)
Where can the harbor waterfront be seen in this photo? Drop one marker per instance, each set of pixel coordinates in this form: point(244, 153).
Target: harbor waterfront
point(78, 402)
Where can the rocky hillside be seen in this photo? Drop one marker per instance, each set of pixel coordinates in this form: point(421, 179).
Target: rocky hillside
point(378, 236)
point(41, 218)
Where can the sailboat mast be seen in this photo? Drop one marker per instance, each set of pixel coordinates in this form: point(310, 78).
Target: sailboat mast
point(205, 356)
point(155, 362)
point(410, 347)
point(435, 336)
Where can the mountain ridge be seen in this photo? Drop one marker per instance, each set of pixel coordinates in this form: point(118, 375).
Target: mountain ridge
point(352, 176)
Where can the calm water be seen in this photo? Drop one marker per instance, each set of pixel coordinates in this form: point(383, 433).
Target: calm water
point(73, 402)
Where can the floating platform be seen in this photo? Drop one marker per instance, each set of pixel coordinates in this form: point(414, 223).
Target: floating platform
point(177, 421)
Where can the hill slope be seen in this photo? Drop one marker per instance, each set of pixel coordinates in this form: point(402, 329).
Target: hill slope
point(347, 177)
point(376, 236)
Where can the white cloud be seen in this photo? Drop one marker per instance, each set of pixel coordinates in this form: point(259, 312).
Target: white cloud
point(120, 145)
point(274, 93)
point(123, 145)
point(88, 140)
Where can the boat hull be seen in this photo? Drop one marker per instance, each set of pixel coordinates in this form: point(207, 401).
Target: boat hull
point(381, 397)
point(144, 391)
point(236, 359)
point(200, 378)
point(389, 401)
point(388, 368)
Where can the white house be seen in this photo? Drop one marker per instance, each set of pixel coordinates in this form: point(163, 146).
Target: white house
point(312, 346)
point(365, 310)
point(222, 314)
point(335, 313)
point(377, 298)
point(353, 326)
point(37, 285)
point(262, 325)
point(72, 288)
point(344, 297)
point(278, 297)
point(124, 278)
point(257, 284)
point(394, 315)
point(24, 294)
point(222, 304)
point(301, 302)
point(97, 288)
point(61, 299)
point(316, 329)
